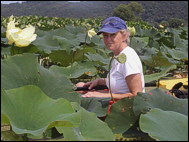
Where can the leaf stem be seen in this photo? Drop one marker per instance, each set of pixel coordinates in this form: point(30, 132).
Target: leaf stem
point(109, 79)
point(25, 137)
point(12, 49)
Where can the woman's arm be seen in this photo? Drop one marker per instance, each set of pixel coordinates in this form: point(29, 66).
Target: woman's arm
point(134, 83)
point(98, 81)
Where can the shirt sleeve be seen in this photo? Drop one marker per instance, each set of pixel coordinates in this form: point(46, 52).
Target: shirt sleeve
point(131, 66)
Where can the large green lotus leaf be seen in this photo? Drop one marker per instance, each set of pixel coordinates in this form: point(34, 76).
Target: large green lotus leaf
point(81, 38)
point(165, 125)
point(90, 129)
point(31, 111)
point(138, 43)
point(76, 69)
point(56, 85)
point(21, 70)
point(156, 76)
point(76, 30)
point(10, 136)
point(86, 49)
point(40, 33)
point(166, 41)
point(176, 54)
point(64, 58)
point(152, 33)
point(139, 31)
point(98, 59)
point(66, 44)
point(121, 116)
point(99, 106)
point(151, 51)
point(156, 60)
point(95, 39)
point(153, 43)
point(176, 40)
point(165, 51)
point(47, 44)
point(156, 98)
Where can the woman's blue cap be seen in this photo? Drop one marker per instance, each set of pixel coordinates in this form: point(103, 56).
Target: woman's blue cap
point(112, 25)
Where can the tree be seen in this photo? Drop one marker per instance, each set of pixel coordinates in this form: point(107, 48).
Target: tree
point(175, 22)
point(124, 12)
point(165, 24)
point(136, 8)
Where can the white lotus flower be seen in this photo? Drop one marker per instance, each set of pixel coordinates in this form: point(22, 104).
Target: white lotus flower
point(161, 26)
point(20, 37)
point(91, 33)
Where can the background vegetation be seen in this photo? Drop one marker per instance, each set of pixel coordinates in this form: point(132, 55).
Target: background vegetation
point(154, 11)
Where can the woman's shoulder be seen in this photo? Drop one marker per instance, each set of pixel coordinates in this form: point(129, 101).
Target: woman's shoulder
point(129, 51)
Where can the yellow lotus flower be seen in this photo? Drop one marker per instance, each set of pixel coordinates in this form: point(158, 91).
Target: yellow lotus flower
point(132, 31)
point(161, 26)
point(20, 37)
point(91, 33)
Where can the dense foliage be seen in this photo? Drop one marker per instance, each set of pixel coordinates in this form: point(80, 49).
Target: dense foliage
point(39, 97)
point(155, 11)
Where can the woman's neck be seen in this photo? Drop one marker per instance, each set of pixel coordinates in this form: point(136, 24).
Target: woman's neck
point(118, 51)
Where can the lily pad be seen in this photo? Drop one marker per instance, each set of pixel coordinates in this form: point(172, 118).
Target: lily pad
point(165, 125)
point(76, 69)
point(29, 110)
point(121, 116)
point(21, 70)
point(156, 98)
point(90, 129)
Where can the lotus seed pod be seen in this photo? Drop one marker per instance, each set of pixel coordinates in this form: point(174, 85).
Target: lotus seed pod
point(121, 58)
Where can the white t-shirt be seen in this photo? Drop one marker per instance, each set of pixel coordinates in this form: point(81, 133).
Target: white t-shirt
point(119, 72)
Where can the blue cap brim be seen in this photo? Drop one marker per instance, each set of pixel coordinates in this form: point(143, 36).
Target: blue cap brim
point(108, 30)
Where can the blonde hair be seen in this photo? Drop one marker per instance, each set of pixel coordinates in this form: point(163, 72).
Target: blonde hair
point(123, 31)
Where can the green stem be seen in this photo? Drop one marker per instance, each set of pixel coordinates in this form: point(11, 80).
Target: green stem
point(159, 68)
point(12, 49)
point(109, 80)
point(85, 43)
point(25, 137)
point(158, 82)
point(73, 57)
point(18, 50)
point(130, 42)
point(98, 46)
point(10, 128)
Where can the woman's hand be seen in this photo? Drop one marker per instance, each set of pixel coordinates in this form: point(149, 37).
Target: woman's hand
point(93, 93)
point(92, 83)
point(81, 84)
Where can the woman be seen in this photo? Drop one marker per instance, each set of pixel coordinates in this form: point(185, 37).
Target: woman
point(126, 79)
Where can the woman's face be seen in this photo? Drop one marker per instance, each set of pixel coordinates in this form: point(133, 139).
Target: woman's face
point(114, 41)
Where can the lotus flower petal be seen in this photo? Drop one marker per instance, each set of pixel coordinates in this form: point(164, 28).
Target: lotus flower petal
point(13, 34)
point(27, 32)
point(91, 33)
point(11, 25)
point(22, 43)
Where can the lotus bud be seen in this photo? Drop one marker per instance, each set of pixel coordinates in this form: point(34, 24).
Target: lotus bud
point(91, 33)
point(132, 31)
point(11, 18)
point(161, 26)
point(101, 36)
point(121, 58)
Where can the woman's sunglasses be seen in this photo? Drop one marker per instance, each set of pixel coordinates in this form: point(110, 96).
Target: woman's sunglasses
point(103, 22)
